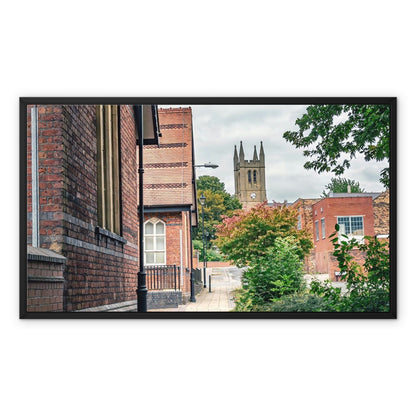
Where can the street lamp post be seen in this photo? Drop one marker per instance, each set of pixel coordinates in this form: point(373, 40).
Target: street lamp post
point(202, 200)
point(207, 165)
point(141, 275)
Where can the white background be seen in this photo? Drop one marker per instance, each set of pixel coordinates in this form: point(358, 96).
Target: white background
point(216, 48)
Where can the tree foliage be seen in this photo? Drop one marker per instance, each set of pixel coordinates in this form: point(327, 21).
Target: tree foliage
point(218, 203)
point(367, 286)
point(339, 185)
point(332, 135)
point(279, 272)
point(248, 235)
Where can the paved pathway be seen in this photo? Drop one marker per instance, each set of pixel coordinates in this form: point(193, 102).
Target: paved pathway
point(223, 281)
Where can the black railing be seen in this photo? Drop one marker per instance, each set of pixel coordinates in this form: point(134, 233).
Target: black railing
point(163, 277)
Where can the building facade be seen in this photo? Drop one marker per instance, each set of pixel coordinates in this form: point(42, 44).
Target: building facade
point(305, 221)
point(82, 223)
point(170, 200)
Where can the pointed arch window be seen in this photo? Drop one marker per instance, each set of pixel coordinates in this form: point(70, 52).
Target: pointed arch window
point(254, 176)
point(249, 176)
point(154, 242)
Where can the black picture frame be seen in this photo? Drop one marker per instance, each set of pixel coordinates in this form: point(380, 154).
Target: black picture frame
point(26, 101)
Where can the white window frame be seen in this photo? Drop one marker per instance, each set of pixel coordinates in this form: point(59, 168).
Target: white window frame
point(317, 230)
point(350, 236)
point(155, 221)
point(323, 228)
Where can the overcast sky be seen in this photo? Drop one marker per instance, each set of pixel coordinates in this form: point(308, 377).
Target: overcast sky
point(217, 128)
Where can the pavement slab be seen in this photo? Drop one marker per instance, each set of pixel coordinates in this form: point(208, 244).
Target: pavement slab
point(224, 280)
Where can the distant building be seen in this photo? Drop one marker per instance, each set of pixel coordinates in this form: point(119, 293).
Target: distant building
point(250, 177)
point(381, 206)
point(305, 221)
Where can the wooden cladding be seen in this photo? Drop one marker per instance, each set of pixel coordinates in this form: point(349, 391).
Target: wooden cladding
point(108, 167)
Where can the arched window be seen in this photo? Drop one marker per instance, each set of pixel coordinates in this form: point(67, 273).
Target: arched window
point(249, 176)
point(254, 176)
point(154, 242)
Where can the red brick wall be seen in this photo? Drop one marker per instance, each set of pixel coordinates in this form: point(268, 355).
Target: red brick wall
point(52, 162)
point(330, 209)
point(174, 222)
point(304, 208)
point(45, 291)
point(168, 167)
point(99, 271)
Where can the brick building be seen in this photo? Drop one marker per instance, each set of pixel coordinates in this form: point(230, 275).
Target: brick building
point(381, 207)
point(358, 215)
point(82, 224)
point(170, 199)
point(305, 221)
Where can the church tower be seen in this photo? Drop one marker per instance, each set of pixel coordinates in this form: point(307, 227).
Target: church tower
point(250, 177)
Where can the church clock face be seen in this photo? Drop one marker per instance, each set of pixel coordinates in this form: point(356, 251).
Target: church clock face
point(253, 195)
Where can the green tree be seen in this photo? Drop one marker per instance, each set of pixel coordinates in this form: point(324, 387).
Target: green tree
point(248, 235)
point(339, 185)
point(218, 203)
point(332, 135)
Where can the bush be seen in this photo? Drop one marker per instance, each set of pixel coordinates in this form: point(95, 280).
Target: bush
point(299, 302)
point(212, 254)
point(242, 301)
point(368, 286)
point(278, 273)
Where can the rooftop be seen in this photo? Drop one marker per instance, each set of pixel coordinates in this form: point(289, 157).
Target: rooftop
point(354, 195)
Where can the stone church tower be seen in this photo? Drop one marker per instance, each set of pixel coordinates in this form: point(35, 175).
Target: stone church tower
point(250, 177)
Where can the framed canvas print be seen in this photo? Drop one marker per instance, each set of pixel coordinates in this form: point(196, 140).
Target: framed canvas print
point(208, 208)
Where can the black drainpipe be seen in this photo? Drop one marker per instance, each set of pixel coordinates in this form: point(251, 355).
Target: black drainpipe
point(192, 299)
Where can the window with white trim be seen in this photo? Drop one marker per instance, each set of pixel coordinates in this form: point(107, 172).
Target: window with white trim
point(323, 227)
point(352, 227)
point(317, 230)
point(154, 242)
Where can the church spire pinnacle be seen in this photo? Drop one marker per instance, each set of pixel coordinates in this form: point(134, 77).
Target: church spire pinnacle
point(255, 157)
point(261, 153)
point(235, 157)
point(241, 152)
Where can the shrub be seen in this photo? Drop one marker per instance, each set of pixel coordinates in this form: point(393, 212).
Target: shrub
point(368, 286)
point(212, 254)
point(299, 302)
point(278, 273)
